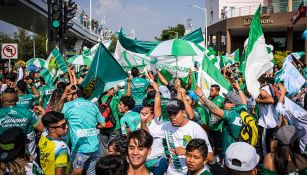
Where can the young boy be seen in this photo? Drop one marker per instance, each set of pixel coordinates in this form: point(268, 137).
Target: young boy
point(196, 157)
point(54, 153)
point(139, 147)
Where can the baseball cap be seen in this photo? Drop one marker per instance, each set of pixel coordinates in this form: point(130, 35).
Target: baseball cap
point(289, 134)
point(241, 156)
point(12, 142)
point(174, 105)
point(32, 68)
point(233, 97)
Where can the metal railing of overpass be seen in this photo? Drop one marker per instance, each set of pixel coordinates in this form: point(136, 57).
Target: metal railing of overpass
point(250, 10)
point(77, 28)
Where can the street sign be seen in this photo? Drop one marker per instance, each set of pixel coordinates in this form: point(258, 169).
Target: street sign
point(9, 51)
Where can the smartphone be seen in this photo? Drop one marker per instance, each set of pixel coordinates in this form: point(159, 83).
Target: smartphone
point(74, 87)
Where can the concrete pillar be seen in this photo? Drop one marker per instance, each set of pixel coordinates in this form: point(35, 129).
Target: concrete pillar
point(211, 40)
point(218, 41)
point(290, 39)
point(228, 41)
point(289, 5)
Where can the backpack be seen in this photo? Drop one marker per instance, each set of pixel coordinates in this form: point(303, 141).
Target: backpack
point(249, 130)
point(107, 114)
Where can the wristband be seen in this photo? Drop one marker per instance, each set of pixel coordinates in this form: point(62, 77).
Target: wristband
point(201, 96)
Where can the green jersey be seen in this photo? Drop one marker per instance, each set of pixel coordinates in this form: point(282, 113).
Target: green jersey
point(45, 92)
point(233, 125)
point(130, 118)
point(26, 101)
point(14, 116)
point(138, 89)
point(209, 119)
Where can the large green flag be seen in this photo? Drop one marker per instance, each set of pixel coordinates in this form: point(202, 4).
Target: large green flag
point(104, 73)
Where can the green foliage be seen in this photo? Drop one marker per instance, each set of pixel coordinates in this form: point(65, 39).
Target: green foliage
point(25, 44)
point(279, 56)
point(113, 44)
point(171, 32)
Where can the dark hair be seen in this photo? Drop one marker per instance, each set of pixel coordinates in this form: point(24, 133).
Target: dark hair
point(236, 172)
point(61, 85)
point(217, 87)
point(55, 97)
point(42, 79)
point(120, 144)
point(11, 76)
point(142, 136)
point(198, 144)
point(22, 85)
point(79, 91)
point(128, 101)
point(52, 117)
point(135, 72)
point(281, 157)
point(9, 91)
point(112, 165)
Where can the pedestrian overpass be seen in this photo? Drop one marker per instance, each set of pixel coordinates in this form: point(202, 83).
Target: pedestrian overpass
point(32, 15)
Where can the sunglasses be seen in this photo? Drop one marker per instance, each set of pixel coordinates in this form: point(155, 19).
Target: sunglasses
point(63, 126)
point(172, 112)
point(227, 101)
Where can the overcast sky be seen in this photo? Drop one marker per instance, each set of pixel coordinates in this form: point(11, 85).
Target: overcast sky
point(147, 18)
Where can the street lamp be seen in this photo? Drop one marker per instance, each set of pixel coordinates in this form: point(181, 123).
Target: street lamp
point(206, 26)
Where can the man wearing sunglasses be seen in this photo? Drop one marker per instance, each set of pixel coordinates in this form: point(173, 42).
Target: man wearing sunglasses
point(235, 102)
point(54, 153)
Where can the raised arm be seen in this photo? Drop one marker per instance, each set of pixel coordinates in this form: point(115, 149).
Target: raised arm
point(209, 104)
point(128, 93)
point(162, 79)
point(157, 104)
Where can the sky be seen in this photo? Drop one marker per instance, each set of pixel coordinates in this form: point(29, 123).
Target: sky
point(146, 18)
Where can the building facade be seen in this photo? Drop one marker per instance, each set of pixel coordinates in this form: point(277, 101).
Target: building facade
point(230, 29)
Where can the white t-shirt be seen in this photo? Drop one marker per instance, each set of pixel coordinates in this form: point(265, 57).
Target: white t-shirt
point(157, 148)
point(268, 116)
point(182, 136)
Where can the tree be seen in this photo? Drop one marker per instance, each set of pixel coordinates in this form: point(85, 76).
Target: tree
point(112, 46)
point(171, 32)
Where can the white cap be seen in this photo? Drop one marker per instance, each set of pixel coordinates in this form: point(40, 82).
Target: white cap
point(241, 156)
point(122, 84)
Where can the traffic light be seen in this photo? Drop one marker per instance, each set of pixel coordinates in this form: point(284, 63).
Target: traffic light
point(56, 18)
point(70, 9)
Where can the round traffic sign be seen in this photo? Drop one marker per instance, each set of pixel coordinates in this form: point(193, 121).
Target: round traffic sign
point(9, 51)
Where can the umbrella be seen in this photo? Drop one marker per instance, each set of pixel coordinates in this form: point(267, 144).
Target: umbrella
point(38, 62)
point(175, 48)
point(80, 60)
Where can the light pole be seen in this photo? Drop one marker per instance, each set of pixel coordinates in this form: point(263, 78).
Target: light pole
point(91, 16)
point(206, 25)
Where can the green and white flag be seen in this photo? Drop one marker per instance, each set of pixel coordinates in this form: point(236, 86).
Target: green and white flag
point(279, 75)
point(208, 75)
point(298, 55)
point(258, 60)
point(55, 63)
point(235, 56)
point(104, 73)
point(38, 62)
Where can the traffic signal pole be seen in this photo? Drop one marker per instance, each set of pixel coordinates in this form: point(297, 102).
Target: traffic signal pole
point(49, 26)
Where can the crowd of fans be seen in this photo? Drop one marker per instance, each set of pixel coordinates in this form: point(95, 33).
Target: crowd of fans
point(147, 125)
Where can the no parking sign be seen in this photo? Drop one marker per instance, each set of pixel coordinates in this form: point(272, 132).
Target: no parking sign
point(9, 51)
